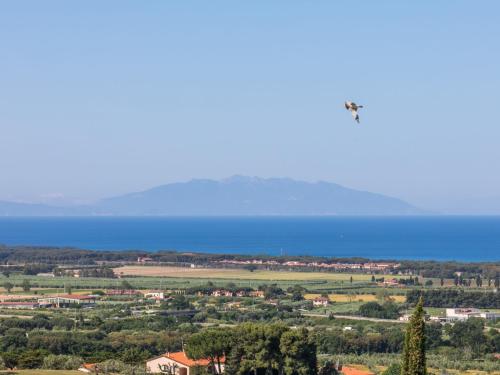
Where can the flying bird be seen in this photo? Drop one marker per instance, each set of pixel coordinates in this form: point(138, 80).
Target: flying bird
point(353, 108)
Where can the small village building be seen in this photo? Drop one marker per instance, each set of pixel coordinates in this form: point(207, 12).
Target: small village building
point(222, 293)
point(405, 318)
point(257, 293)
point(178, 363)
point(461, 314)
point(391, 282)
point(144, 260)
point(156, 295)
point(321, 301)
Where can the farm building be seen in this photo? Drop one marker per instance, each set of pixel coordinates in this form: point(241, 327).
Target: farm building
point(66, 300)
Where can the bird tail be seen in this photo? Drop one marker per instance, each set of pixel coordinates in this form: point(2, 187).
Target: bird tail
point(360, 106)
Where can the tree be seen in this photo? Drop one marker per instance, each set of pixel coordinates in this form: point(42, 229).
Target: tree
point(328, 368)
point(135, 355)
point(414, 362)
point(297, 292)
point(180, 302)
point(26, 285)
point(479, 281)
point(393, 369)
point(373, 278)
point(8, 286)
point(250, 267)
point(469, 336)
point(6, 273)
point(299, 353)
point(256, 350)
point(125, 285)
point(10, 359)
point(67, 288)
point(211, 344)
point(31, 358)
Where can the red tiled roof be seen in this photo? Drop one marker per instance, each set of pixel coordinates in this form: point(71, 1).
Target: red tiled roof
point(346, 370)
point(182, 358)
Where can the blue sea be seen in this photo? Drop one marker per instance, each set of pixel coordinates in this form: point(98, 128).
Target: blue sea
point(436, 237)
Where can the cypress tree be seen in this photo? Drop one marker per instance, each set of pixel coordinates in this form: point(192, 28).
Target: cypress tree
point(414, 345)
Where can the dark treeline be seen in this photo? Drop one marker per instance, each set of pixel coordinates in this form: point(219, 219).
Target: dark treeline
point(387, 310)
point(58, 256)
point(455, 298)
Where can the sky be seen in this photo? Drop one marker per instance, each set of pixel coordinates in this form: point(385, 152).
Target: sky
point(100, 98)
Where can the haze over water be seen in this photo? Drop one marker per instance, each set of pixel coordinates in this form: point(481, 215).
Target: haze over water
point(437, 238)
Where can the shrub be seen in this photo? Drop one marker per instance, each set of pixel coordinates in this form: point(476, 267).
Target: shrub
point(62, 362)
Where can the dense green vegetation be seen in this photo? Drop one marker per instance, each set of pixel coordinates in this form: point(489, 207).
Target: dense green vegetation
point(487, 271)
point(455, 298)
point(289, 334)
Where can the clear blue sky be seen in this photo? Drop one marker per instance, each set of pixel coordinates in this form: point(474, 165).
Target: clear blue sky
point(99, 98)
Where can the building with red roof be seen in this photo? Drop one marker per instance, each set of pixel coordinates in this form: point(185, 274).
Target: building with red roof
point(178, 363)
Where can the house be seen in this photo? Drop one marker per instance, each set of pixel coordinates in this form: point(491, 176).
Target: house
point(156, 295)
point(460, 314)
point(222, 293)
point(178, 363)
point(321, 301)
point(257, 293)
point(143, 260)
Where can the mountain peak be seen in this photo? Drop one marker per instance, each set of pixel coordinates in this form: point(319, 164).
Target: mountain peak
point(235, 195)
point(250, 195)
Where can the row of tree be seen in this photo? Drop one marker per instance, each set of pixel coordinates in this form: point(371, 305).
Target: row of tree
point(455, 298)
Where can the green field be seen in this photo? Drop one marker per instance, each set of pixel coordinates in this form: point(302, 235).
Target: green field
point(153, 277)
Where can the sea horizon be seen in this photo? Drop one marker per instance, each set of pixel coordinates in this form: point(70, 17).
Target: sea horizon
point(466, 238)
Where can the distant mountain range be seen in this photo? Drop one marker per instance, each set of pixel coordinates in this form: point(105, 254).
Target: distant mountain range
point(237, 195)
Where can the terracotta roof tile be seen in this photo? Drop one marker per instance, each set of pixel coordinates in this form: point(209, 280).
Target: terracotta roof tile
point(346, 370)
point(183, 359)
